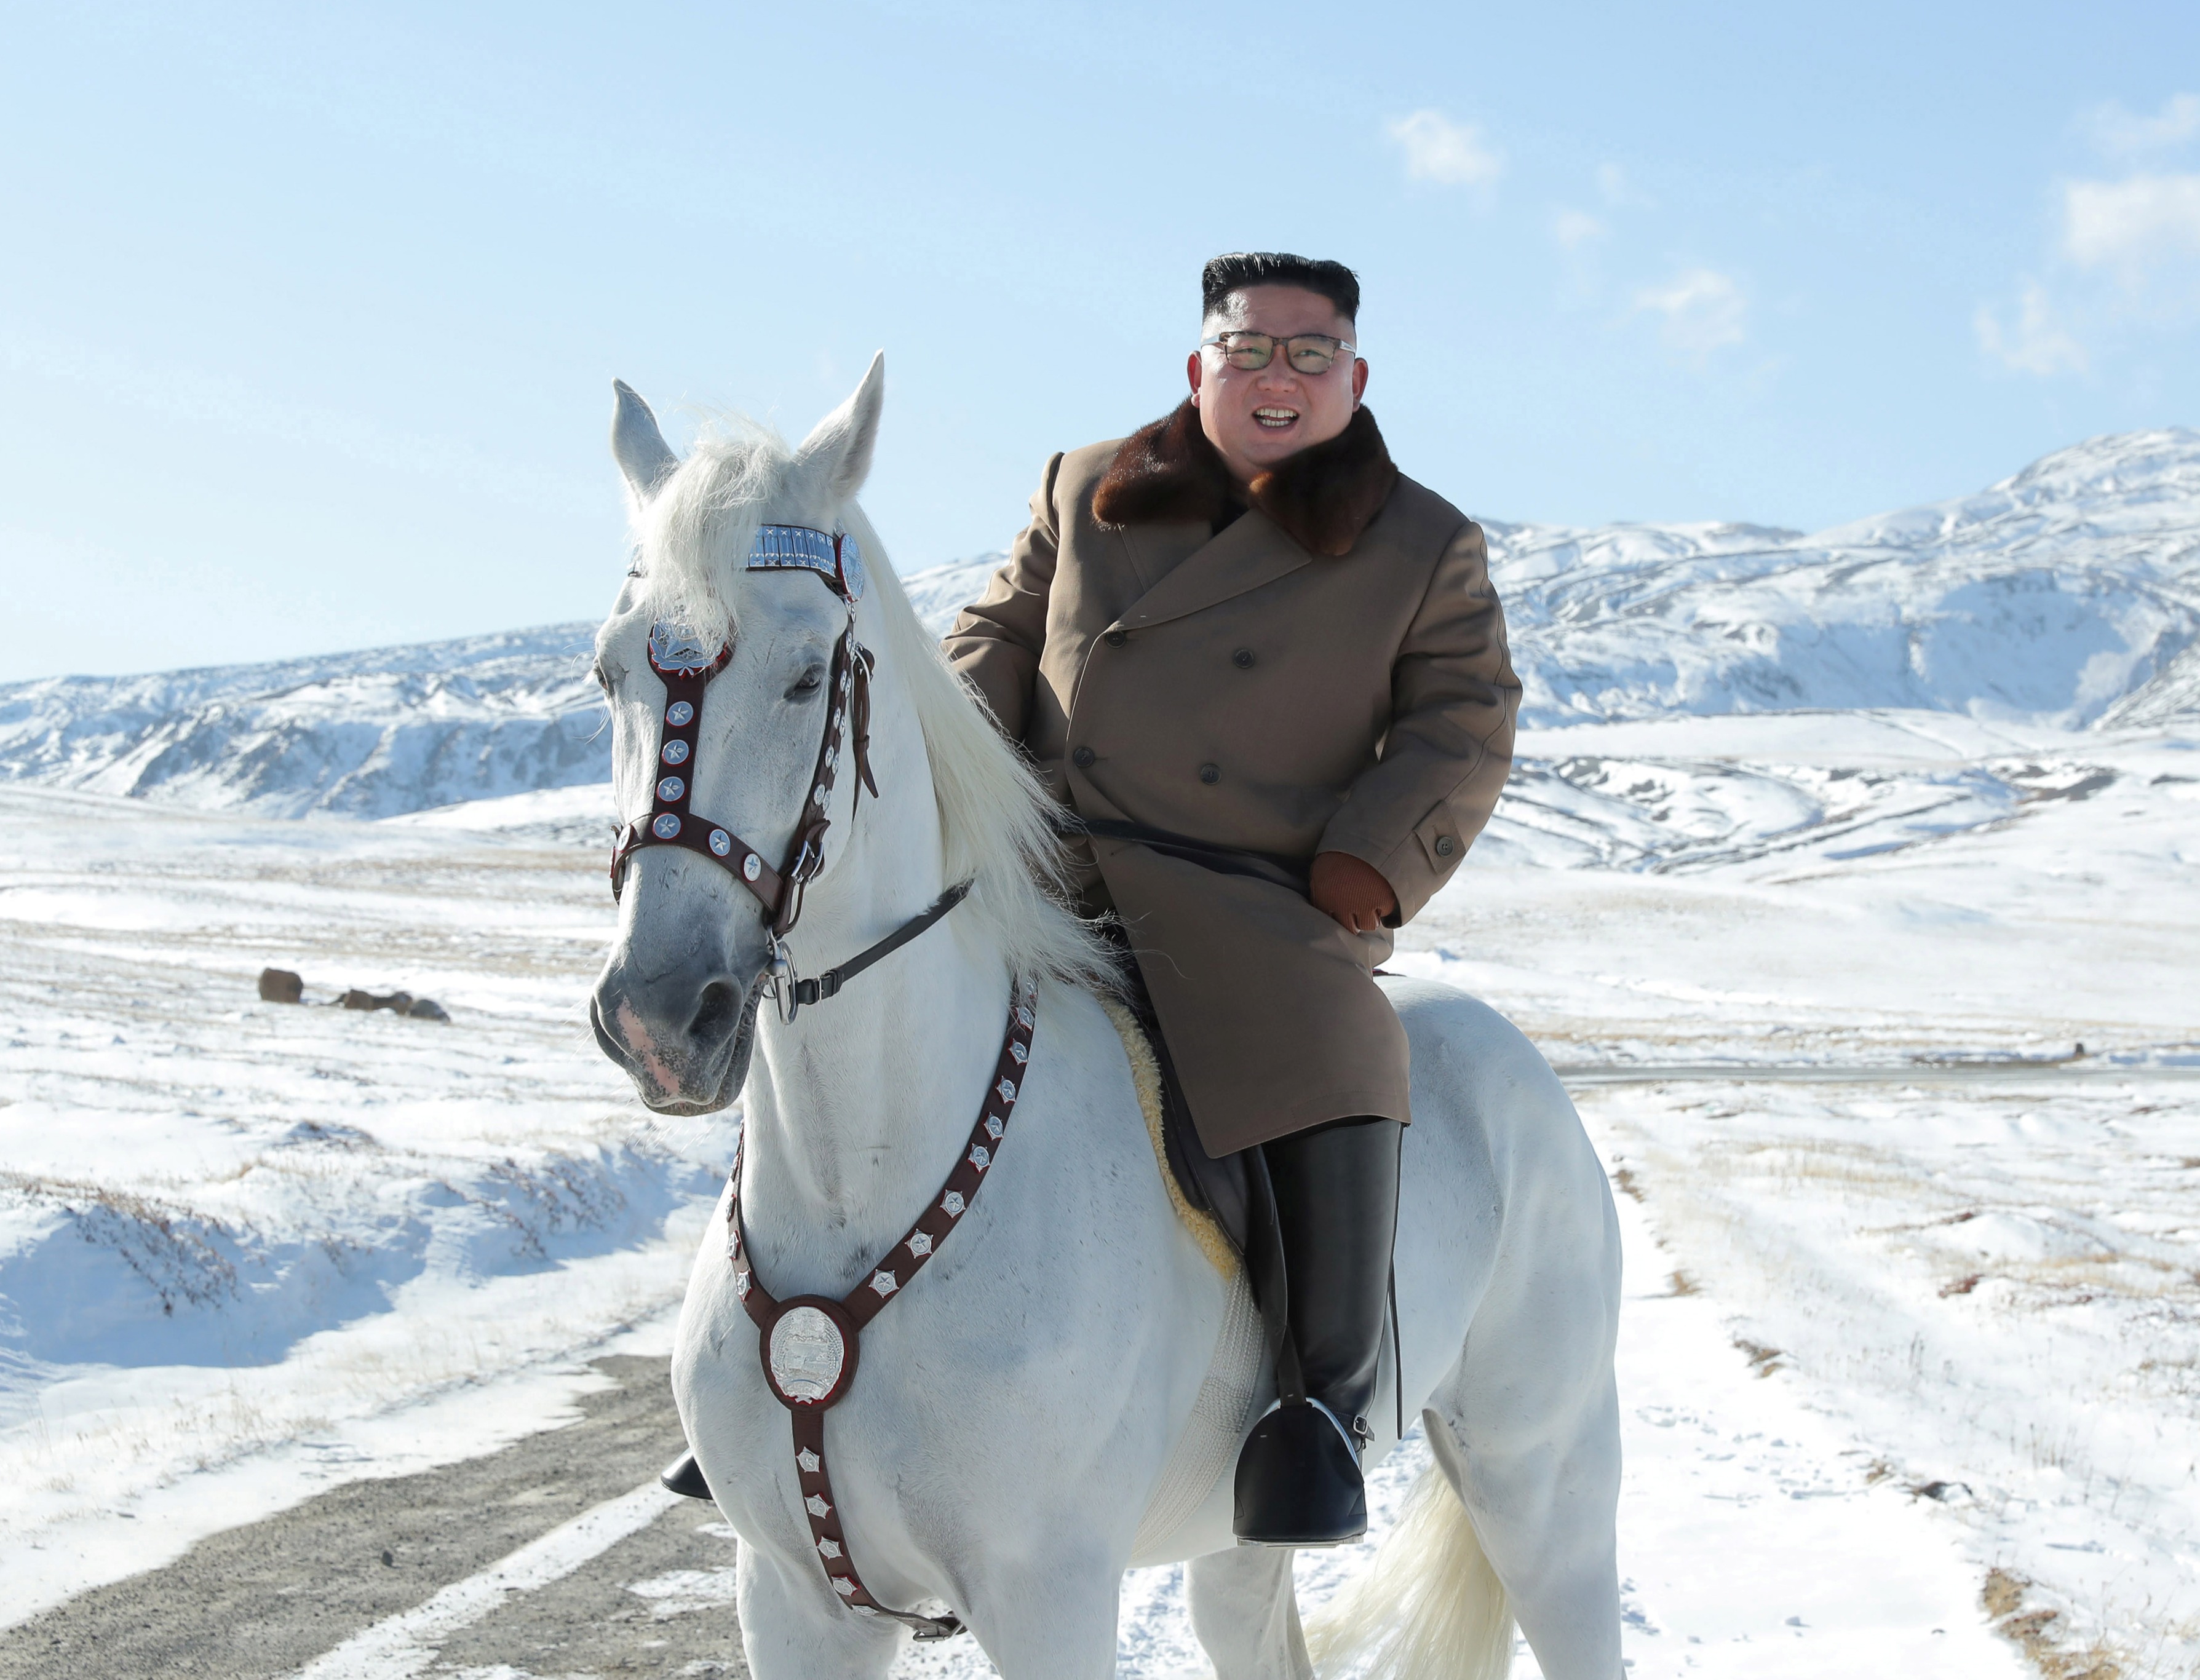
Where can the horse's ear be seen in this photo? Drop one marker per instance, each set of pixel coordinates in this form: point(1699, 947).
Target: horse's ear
point(637, 445)
point(840, 448)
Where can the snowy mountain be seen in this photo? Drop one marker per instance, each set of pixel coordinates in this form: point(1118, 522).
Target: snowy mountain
point(2064, 596)
point(370, 734)
point(2067, 597)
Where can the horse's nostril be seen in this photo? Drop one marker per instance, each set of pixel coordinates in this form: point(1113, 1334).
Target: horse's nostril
point(717, 1014)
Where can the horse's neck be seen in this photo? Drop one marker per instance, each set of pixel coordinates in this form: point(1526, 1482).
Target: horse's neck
point(856, 1114)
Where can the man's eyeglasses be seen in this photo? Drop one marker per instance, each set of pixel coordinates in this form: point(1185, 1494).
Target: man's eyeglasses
point(1307, 352)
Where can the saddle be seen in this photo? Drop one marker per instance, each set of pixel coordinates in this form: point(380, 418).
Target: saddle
point(1227, 1200)
point(1222, 1187)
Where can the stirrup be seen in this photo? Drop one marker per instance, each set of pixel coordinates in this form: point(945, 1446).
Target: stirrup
point(1299, 1480)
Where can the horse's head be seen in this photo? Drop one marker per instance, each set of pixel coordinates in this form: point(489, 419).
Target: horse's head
point(677, 1004)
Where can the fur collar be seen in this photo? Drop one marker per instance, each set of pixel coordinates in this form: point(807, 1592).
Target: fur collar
point(1323, 497)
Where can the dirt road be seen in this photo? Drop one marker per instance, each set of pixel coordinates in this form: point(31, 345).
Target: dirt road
point(558, 1557)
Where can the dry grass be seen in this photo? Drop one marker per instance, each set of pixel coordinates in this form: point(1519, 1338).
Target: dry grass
point(175, 1250)
point(1766, 1361)
point(2031, 1630)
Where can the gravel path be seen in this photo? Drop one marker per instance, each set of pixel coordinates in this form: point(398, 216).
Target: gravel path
point(303, 1588)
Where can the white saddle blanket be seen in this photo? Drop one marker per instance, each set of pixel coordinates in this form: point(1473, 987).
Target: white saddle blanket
point(1222, 1414)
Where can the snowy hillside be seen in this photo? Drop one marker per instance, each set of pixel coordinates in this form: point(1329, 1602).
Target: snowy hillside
point(2063, 596)
point(2067, 597)
point(368, 733)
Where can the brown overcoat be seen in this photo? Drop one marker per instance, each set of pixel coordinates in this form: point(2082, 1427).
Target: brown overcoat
point(1327, 673)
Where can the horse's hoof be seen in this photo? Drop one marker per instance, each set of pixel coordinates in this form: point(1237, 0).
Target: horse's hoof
point(1299, 1482)
point(685, 1477)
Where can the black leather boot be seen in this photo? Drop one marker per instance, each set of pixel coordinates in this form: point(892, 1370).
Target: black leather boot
point(684, 1477)
point(1336, 1199)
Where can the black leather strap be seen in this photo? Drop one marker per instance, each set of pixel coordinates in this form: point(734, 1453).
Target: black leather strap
point(828, 984)
point(1268, 866)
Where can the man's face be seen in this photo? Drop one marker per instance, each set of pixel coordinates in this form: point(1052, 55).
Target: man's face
point(1255, 418)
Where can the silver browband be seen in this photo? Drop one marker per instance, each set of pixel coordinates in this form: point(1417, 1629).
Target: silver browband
point(834, 556)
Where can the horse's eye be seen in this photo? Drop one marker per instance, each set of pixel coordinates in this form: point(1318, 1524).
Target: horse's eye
point(603, 678)
point(807, 684)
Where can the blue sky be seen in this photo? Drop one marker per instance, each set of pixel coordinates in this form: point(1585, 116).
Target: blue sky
point(309, 315)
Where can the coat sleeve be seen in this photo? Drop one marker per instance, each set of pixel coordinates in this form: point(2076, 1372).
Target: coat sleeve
point(996, 641)
point(1454, 701)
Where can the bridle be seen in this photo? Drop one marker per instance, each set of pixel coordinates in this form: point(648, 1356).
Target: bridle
point(687, 665)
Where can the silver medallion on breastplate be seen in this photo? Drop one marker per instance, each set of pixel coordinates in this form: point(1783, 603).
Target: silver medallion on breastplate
point(808, 1354)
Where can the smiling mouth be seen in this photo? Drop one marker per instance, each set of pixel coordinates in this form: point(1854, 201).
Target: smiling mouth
point(1275, 419)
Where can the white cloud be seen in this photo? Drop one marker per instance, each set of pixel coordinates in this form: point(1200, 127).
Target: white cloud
point(1449, 153)
point(2127, 252)
point(1573, 229)
point(1618, 191)
point(2121, 133)
point(1704, 310)
point(2037, 344)
point(2136, 227)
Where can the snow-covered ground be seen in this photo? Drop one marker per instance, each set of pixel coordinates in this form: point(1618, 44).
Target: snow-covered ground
point(242, 1244)
point(1822, 856)
point(228, 1225)
point(1974, 1258)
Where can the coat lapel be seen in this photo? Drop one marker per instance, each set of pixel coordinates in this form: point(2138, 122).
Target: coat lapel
point(1251, 551)
point(1154, 551)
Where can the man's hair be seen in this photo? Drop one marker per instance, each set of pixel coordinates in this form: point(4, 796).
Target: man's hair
point(1239, 269)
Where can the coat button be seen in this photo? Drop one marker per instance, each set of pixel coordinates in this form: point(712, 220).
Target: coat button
point(1210, 774)
point(1114, 638)
point(1082, 757)
point(1243, 659)
point(1445, 845)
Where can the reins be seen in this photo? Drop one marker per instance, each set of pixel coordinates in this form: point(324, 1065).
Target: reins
point(828, 984)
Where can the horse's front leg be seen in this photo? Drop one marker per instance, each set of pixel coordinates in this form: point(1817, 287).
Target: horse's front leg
point(791, 1631)
point(1246, 1615)
point(1049, 1617)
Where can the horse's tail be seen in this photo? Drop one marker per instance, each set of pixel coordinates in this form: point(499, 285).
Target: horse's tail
point(1428, 1607)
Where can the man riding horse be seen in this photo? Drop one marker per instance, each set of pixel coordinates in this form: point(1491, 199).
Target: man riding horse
point(1268, 674)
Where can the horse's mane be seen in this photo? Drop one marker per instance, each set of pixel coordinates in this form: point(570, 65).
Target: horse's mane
point(994, 813)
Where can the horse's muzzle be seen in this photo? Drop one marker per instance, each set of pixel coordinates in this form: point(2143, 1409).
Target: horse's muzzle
point(685, 1040)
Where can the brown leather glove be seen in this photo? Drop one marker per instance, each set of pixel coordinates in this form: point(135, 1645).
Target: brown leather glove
point(1354, 892)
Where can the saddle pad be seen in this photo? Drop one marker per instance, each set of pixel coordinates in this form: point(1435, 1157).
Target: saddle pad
point(1207, 1451)
point(1207, 1448)
point(1146, 1077)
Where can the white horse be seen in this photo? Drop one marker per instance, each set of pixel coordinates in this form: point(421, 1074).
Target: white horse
point(1018, 1406)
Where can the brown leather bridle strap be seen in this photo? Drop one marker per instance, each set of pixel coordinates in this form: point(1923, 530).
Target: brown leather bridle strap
point(848, 1315)
point(672, 823)
point(678, 661)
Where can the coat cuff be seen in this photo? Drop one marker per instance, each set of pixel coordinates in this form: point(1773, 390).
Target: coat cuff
point(1415, 866)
